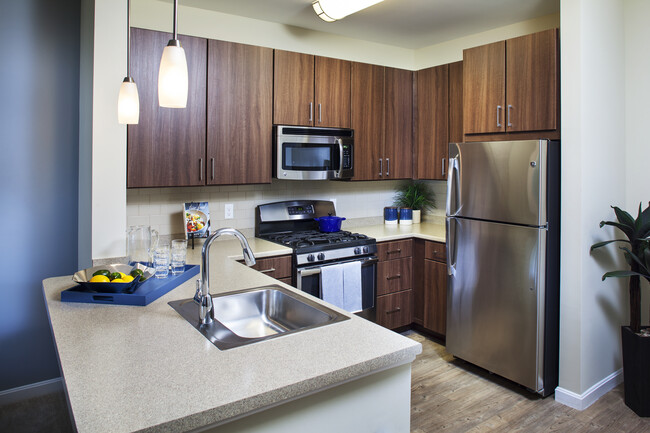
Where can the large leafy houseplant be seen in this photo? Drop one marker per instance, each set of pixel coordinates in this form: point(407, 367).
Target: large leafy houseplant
point(637, 256)
point(415, 195)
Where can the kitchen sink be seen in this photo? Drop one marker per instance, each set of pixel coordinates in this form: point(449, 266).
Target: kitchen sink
point(252, 315)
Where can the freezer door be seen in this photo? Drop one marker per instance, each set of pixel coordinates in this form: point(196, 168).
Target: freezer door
point(495, 298)
point(498, 181)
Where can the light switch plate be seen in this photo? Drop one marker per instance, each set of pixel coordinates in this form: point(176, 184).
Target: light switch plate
point(229, 214)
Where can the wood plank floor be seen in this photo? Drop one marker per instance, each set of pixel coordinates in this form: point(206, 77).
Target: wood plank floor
point(451, 395)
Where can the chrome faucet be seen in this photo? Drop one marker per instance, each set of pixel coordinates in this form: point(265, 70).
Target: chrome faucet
point(202, 296)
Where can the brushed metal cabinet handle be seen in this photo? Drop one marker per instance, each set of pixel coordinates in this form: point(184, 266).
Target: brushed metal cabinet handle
point(387, 167)
point(311, 111)
point(320, 117)
point(212, 169)
point(508, 113)
point(498, 116)
point(266, 271)
point(200, 168)
point(381, 167)
point(396, 310)
point(394, 277)
point(444, 166)
point(399, 250)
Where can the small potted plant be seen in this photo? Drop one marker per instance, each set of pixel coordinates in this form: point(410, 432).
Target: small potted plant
point(635, 339)
point(417, 196)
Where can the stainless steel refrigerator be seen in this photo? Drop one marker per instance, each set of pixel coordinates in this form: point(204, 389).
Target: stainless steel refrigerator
point(503, 227)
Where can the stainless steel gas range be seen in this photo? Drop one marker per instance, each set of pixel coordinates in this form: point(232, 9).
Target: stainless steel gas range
point(291, 223)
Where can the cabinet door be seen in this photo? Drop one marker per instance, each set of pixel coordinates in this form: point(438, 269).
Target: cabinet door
point(456, 102)
point(394, 276)
point(395, 310)
point(367, 120)
point(484, 91)
point(239, 113)
point(293, 83)
point(435, 296)
point(398, 124)
point(332, 92)
point(532, 82)
point(432, 122)
point(167, 146)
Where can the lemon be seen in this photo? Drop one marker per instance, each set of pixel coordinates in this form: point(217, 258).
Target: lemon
point(122, 275)
point(99, 279)
point(118, 280)
point(127, 278)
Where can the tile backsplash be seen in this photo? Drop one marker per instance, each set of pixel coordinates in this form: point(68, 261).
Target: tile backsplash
point(162, 208)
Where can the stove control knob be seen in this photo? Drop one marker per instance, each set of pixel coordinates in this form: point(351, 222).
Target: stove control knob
point(311, 258)
point(365, 250)
point(357, 250)
point(321, 256)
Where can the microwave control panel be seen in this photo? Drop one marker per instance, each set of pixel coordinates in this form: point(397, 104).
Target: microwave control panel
point(347, 157)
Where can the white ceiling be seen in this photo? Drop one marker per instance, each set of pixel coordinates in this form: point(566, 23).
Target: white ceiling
point(409, 24)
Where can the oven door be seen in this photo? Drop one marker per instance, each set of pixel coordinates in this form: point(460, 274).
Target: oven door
point(308, 279)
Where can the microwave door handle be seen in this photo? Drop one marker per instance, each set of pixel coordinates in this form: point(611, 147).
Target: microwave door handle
point(337, 173)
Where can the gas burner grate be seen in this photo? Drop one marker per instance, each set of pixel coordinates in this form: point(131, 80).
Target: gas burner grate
point(314, 237)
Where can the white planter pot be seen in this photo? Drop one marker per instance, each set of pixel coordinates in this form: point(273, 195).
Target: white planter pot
point(417, 215)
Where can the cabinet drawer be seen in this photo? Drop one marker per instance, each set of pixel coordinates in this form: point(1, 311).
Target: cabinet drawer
point(395, 310)
point(394, 249)
point(435, 251)
point(276, 267)
point(393, 276)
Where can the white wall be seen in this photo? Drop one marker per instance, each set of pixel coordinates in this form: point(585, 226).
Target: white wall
point(593, 178)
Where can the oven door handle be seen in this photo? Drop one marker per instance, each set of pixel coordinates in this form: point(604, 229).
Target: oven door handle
point(306, 272)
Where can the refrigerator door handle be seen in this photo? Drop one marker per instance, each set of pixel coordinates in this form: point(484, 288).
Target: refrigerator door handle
point(453, 178)
point(451, 245)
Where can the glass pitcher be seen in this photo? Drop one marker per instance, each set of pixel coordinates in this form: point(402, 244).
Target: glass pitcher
point(141, 243)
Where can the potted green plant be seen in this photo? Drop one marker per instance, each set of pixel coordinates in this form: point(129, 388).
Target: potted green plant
point(635, 339)
point(417, 196)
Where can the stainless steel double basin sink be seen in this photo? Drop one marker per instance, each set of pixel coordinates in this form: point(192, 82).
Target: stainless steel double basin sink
point(252, 315)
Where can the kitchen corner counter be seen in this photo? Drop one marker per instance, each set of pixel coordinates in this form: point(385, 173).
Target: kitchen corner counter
point(130, 368)
point(430, 231)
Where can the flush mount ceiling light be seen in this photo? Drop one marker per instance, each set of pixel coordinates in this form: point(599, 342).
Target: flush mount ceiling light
point(128, 102)
point(332, 10)
point(172, 75)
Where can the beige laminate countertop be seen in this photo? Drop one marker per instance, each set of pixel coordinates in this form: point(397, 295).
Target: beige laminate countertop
point(129, 368)
point(386, 232)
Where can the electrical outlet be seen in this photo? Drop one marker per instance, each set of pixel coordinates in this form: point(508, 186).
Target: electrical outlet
point(229, 214)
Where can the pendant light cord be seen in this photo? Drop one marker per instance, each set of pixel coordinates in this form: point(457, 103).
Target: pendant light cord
point(175, 18)
point(128, 38)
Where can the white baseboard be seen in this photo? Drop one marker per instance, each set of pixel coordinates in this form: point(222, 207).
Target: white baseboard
point(587, 398)
point(32, 390)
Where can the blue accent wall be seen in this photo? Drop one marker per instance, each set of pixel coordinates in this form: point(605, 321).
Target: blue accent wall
point(39, 148)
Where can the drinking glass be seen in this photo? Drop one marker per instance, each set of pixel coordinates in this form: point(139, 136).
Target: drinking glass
point(179, 256)
point(161, 260)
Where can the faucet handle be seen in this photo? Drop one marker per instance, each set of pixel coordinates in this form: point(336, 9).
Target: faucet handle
point(197, 295)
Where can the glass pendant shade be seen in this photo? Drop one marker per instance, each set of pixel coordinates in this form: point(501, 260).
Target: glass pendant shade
point(172, 76)
point(332, 10)
point(128, 103)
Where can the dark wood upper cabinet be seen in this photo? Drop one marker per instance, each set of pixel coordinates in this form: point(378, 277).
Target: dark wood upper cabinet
point(432, 120)
point(532, 89)
point(367, 111)
point(167, 146)
point(311, 90)
point(240, 111)
point(293, 83)
point(332, 92)
point(512, 85)
point(484, 91)
point(456, 102)
point(398, 124)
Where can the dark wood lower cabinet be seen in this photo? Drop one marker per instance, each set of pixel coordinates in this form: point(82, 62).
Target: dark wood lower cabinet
point(435, 296)
point(395, 310)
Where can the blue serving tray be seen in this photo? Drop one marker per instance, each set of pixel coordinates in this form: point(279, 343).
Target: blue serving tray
point(145, 294)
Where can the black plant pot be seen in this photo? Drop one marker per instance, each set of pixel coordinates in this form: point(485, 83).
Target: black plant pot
point(636, 371)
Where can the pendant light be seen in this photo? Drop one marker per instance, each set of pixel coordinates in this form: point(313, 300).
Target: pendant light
point(332, 10)
point(172, 75)
point(128, 101)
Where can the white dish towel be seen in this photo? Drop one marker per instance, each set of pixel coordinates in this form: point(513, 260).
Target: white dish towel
point(341, 285)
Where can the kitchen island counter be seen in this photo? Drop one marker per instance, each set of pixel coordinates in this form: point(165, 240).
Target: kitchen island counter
point(129, 368)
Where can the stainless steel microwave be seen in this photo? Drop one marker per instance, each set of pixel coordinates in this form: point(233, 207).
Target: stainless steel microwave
point(308, 153)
